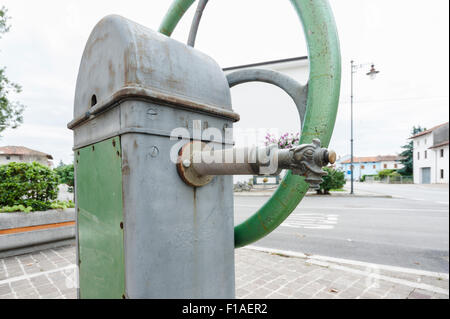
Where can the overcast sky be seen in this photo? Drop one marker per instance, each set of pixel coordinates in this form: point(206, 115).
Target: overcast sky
point(406, 39)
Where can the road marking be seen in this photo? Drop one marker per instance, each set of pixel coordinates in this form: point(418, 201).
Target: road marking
point(360, 208)
point(311, 221)
point(14, 279)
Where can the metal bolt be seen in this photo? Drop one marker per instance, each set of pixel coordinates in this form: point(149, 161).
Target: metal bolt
point(187, 163)
point(152, 114)
point(154, 152)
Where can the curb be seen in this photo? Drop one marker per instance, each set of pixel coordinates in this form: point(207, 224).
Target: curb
point(267, 194)
point(343, 264)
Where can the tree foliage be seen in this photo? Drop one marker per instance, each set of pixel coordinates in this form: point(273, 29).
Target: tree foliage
point(31, 185)
point(65, 174)
point(10, 112)
point(334, 180)
point(408, 155)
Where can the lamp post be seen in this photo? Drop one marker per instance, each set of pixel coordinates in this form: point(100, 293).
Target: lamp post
point(372, 74)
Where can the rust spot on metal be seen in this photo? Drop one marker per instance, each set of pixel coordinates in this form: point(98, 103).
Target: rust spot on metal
point(112, 76)
point(262, 223)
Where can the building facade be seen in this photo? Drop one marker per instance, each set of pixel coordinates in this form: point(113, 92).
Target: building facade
point(370, 165)
point(431, 155)
point(261, 105)
point(21, 154)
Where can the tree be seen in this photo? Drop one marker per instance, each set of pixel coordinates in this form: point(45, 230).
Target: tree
point(66, 175)
point(10, 112)
point(333, 180)
point(408, 155)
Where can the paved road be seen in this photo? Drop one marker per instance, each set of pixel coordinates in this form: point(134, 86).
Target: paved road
point(435, 193)
point(389, 231)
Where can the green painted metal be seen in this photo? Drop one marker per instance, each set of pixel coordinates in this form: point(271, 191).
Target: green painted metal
point(323, 99)
point(174, 15)
point(100, 214)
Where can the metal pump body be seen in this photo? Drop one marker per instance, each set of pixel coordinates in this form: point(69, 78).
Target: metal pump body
point(152, 221)
point(142, 232)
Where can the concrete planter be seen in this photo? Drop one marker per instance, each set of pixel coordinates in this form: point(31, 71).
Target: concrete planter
point(22, 233)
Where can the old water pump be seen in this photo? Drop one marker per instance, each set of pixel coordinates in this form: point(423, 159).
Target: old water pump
point(154, 163)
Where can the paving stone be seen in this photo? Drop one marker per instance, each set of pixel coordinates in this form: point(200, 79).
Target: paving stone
point(440, 296)
point(276, 295)
point(5, 289)
point(241, 292)
point(40, 280)
point(21, 284)
point(45, 289)
point(258, 275)
point(417, 295)
point(24, 292)
point(324, 295)
point(51, 295)
point(72, 295)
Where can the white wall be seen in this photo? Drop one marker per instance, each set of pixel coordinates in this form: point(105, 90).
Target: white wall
point(442, 163)
point(422, 145)
point(264, 107)
point(24, 159)
point(391, 165)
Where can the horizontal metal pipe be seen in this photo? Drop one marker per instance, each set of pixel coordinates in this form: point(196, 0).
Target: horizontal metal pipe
point(242, 161)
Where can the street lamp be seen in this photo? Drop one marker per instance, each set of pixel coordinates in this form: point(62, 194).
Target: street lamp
point(372, 74)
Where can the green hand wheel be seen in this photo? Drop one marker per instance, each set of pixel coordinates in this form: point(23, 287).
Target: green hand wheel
point(322, 101)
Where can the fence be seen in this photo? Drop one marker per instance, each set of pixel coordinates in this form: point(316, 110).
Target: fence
point(390, 179)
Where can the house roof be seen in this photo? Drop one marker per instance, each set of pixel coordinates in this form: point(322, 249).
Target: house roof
point(429, 131)
point(21, 150)
point(439, 145)
point(373, 159)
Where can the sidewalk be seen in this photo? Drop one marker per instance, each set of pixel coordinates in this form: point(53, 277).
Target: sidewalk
point(260, 274)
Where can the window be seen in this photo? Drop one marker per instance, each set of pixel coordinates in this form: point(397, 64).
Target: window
point(418, 155)
point(418, 143)
point(426, 155)
point(374, 167)
point(442, 152)
point(442, 174)
point(395, 166)
point(385, 166)
point(425, 141)
point(363, 166)
point(8, 158)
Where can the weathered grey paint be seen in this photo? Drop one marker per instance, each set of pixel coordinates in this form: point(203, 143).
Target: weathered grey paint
point(178, 243)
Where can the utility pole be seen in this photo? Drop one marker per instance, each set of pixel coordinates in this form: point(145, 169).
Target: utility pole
point(372, 74)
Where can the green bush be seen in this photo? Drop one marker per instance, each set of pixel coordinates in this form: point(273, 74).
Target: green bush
point(386, 172)
point(363, 178)
point(66, 175)
point(17, 208)
point(30, 185)
point(334, 180)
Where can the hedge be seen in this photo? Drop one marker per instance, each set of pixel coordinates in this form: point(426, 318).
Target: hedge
point(30, 185)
